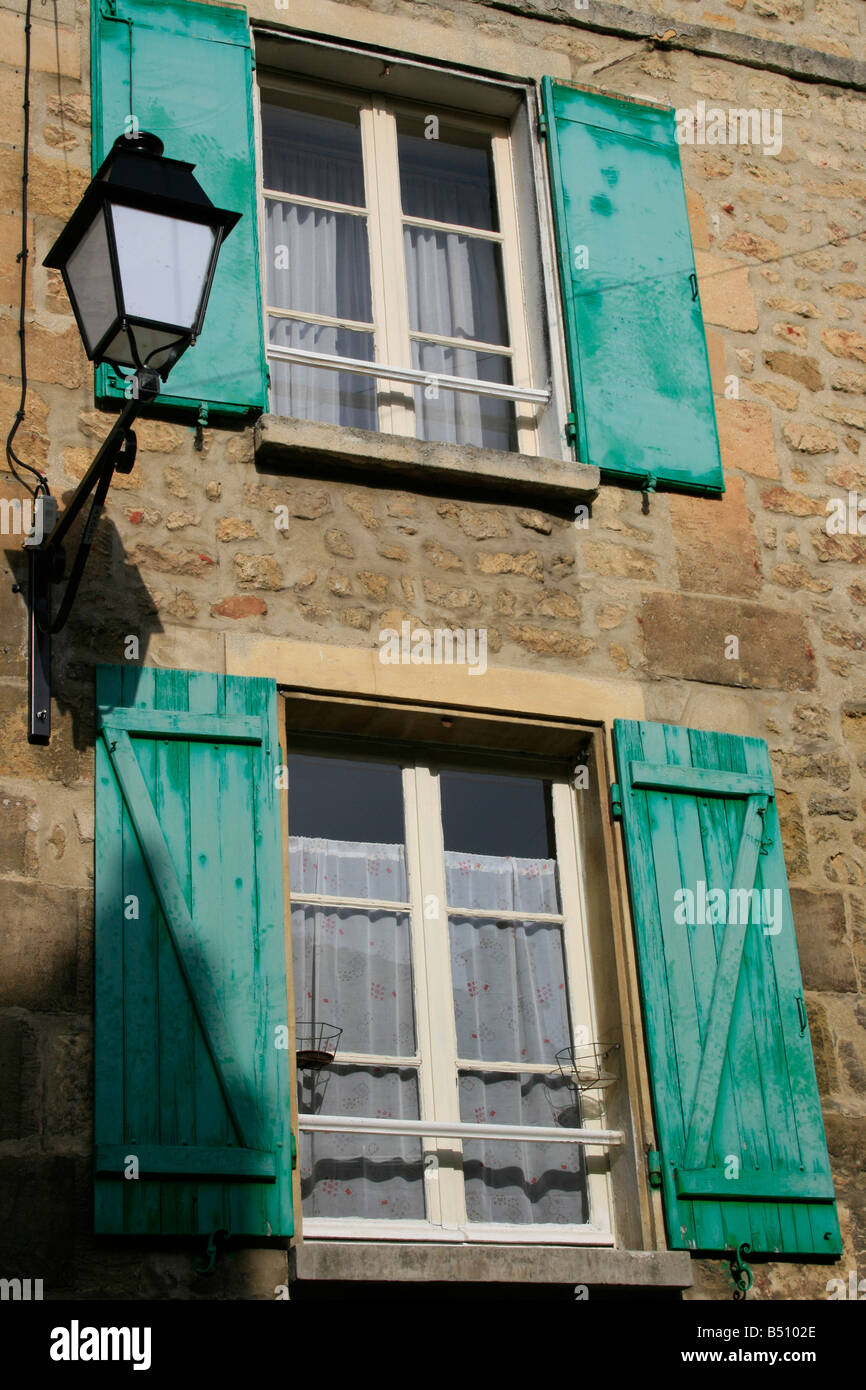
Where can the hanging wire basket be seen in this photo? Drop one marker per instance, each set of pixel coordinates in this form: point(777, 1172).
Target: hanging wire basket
point(587, 1066)
point(316, 1044)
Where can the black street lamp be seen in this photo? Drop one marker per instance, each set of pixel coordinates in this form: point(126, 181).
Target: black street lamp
point(138, 258)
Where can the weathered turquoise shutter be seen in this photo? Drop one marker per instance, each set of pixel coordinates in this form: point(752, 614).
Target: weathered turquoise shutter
point(637, 354)
point(738, 1120)
point(192, 1077)
point(191, 67)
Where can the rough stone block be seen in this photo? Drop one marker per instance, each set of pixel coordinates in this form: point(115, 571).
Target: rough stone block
point(746, 438)
point(826, 959)
point(19, 818)
point(687, 637)
point(42, 945)
point(727, 298)
point(716, 548)
point(37, 1219)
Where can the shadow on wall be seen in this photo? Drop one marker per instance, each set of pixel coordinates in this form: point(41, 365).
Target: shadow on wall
point(113, 621)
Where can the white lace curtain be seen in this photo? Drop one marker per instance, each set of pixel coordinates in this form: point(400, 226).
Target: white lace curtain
point(353, 968)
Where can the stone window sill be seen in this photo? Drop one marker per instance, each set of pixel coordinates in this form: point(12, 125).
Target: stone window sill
point(329, 448)
point(382, 1262)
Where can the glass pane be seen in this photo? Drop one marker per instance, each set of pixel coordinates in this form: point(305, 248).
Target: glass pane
point(320, 393)
point(510, 998)
point(354, 969)
point(89, 271)
point(520, 1183)
point(447, 179)
point(163, 264)
point(313, 148)
point(379, 1176)
point(349, 816)
point(456, 417)
point(153, 347)
point(318, 261)
point(499, 842)
point(456, 286)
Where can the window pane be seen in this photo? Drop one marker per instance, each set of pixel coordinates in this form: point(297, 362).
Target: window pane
point(345, 800)
point(318, 261)
point(516, 1182)
point(354, 969)
point(456, 417)
point(377, 1176)
point(455, 285)
point(313, 148)
point(510, 998)
point(319, 393)
point(499, 842)
point(449, 179)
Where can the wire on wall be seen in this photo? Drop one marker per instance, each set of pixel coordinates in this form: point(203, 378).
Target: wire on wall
point(11, 457)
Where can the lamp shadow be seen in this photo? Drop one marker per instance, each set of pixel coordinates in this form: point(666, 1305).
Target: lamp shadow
point(113, 621)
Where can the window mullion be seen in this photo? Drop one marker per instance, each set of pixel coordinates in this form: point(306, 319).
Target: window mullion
point(578, 972)
point(512, 274)
point(397, 413)
point(414, 832)
point(443, 1034)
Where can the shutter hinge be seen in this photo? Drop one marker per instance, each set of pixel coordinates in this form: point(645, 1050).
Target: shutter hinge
point(543, 127)
point(571, 429)
point(616, 801)
point(294, 1152)
point(654, 1167)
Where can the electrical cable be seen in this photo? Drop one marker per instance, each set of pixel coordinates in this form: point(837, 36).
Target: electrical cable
point(11, 457)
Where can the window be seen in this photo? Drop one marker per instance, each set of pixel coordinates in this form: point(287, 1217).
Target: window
point(391, 237)
point(437, 919)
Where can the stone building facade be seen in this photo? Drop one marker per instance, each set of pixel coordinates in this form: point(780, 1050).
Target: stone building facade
point(629, 614)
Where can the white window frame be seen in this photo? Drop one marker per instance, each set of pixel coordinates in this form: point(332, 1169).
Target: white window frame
point(436, 1060)
point(383, 212)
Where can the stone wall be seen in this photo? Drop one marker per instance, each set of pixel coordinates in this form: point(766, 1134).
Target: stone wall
point(188, 551)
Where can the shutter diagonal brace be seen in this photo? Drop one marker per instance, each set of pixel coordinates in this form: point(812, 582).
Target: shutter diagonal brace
point(724, 991)
point(184, 937)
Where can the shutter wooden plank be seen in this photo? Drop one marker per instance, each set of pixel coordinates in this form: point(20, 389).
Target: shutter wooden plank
point(108, 966)
point(680, 982)
point(177, 1022)
point(206, 1164)
point(182, 724)
point(779, 977)
point(142, 1201)
point(656, 999)
point(794, 1187)
point(274, 926)
point(213, 1127)
point(752, 1148)
point(702, 781)
point(690, 853)
point(724, 990)
point(194, 964)
point(241, 923)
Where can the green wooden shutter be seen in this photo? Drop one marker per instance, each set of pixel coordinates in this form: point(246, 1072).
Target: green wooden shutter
point(192, 1075)
point(637, 354)
point(730, 1058)
point(191, 67)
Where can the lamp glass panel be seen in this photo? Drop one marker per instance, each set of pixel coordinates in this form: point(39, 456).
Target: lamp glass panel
point(163, 263)
point(88, 272)
point(154, 345)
